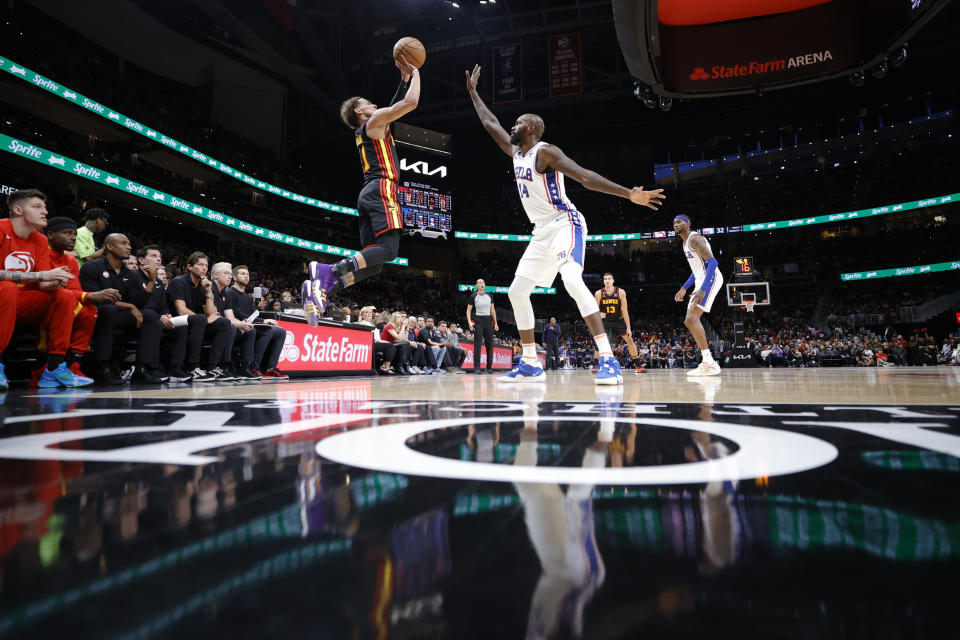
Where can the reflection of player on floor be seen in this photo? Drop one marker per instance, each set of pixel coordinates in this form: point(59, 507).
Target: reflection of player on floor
point(616, 317)
point(377, 205)
point(706, 276)
point(559, 233)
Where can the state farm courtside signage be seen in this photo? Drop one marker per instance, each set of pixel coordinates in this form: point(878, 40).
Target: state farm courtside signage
point(325, 348)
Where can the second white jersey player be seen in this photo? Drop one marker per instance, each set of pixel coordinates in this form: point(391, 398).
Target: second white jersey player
point(559, 231)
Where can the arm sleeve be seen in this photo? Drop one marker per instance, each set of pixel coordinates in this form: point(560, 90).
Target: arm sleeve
point(401, 92)
point(711, 274)
point(689, 282)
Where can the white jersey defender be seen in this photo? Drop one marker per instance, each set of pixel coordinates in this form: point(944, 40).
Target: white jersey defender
point(559, 231)
point(699, 269)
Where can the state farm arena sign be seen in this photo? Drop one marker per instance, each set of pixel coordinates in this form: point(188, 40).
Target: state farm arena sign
point(759, 52)
point(325, 349)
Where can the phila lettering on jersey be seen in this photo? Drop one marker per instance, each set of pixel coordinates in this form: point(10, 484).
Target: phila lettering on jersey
point(697, 265)
point(542, 194)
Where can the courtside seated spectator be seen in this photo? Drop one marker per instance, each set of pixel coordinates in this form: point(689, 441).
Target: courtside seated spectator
point(244, 338)
point(191, 294)
point(61, 234)
point(32, 292)
point(110, 273)
point(149, 294)
point(455, 354)
point(270, 337)
point(384, 351)
point(95, 220)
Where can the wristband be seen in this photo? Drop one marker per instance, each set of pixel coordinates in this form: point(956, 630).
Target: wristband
point(83, 297)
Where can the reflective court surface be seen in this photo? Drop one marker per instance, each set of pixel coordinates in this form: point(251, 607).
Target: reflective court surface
point(762, 503)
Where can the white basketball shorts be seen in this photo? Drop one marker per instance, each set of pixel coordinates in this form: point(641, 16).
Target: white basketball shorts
point(562, 240)
point(708, 299)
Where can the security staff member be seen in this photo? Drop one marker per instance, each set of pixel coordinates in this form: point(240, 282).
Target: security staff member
point(485, 325)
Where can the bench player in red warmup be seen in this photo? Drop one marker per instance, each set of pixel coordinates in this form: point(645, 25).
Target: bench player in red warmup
point(32, 292)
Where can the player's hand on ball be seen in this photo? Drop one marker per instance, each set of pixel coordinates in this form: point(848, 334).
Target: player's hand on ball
point(651, 199)
point(406, 69)
point(697, 296)
point(473, 78)
point(680, 295)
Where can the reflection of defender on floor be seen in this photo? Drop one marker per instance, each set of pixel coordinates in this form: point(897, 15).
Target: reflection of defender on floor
point(616, 318)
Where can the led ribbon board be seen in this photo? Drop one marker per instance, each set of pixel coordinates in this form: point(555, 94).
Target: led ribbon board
point(901, 271)
point(759, 226)
point(492, 289)
point(93, 174)
point(64, 93)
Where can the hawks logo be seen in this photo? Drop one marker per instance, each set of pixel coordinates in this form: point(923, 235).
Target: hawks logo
point(19, 261)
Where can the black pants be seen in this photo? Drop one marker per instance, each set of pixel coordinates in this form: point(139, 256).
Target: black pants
point(219, 334)
point(483, 332)
point(269, 344)
point(386, 351)
point(243, 344)
point(457, 355)
point(110, 318)
point(186, 342)
point(553, 356)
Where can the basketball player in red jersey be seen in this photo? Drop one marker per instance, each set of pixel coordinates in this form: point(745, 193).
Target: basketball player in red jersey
point(616, 318)
point(377, 206)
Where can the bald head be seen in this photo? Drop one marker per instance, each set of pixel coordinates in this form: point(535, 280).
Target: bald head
point(117, 245)
point(535, 123)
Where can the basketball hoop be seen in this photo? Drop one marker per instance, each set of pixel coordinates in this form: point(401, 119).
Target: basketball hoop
point(748, 300)
point(748, 305)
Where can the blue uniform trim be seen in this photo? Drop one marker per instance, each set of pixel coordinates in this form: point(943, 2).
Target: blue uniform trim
point(553, 190)
point(710, 275)
point(578, 243)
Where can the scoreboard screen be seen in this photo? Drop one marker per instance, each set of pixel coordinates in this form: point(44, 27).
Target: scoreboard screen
point(423, 192)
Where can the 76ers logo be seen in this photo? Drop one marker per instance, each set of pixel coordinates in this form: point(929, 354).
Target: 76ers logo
point(19, 261)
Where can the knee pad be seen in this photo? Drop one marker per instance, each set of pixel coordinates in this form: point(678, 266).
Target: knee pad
point(519, 294)
point(572, 276)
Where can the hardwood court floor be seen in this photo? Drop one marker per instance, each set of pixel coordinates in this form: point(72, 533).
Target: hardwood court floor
point(785, 503)
point(913, 385)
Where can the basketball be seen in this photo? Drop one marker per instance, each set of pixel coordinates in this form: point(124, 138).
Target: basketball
point(412, 49)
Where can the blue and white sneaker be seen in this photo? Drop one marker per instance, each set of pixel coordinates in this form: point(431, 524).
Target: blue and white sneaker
point(609, 372)
point(310, 310)
point(62, 377)
point(4, 383)
point(524, 372)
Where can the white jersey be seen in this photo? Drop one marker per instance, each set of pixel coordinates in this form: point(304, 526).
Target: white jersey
point(697, 264)
point(542, 194)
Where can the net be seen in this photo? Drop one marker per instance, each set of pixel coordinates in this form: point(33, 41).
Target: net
point(748, 300)
point(748, 305)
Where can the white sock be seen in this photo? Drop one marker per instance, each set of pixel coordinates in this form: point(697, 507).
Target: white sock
point(603, 345)
point(707, 356)
point(530, 354)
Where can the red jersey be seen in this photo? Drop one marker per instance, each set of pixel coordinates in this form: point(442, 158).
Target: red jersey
point(58, 259)
point(385, 334)
point(23, 254)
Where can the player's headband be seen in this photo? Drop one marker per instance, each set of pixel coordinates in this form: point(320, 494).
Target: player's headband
point(681, 217)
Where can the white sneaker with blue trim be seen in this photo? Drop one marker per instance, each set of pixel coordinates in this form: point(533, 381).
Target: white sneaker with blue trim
point(524, 372)
point(609, 372)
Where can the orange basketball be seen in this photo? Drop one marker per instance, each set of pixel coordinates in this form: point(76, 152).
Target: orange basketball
point(412, 49)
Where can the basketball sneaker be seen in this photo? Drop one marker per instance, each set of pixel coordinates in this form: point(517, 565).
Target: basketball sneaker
point(524, 372)
point(62, 377)
point(705, 369)
point(609, 372)
point(324, 281)
point(310, 309)
point(638, 370)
